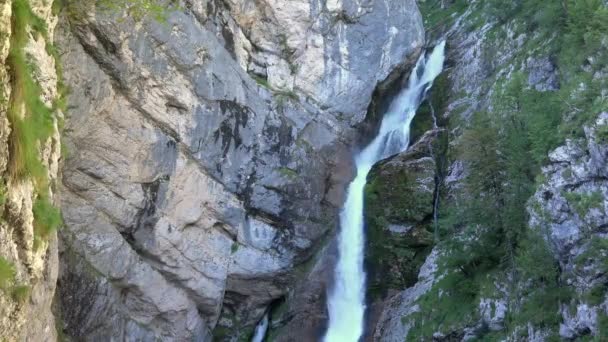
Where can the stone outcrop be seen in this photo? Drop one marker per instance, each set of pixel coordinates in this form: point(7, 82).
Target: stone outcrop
point(393, 324)
point(399, 216)
point(570, 210)
point(28, 263)
point(207, 156)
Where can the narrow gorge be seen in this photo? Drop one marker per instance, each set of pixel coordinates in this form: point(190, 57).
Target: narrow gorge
point(299, 170)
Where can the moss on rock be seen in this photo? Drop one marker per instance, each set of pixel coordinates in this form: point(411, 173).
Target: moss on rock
point(398, 215)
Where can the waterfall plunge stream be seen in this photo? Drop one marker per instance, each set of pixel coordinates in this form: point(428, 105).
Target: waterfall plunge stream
point(346, 303)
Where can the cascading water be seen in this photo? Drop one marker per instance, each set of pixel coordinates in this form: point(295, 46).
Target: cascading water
point(260, 330)
point(346, 303)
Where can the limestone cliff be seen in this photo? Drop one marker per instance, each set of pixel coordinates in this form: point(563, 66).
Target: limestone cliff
point(208, 154)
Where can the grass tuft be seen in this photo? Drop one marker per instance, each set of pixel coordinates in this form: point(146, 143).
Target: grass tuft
point(7, 273)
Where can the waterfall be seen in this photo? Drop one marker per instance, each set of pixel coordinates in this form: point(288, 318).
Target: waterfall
point(260, 330)
point(346, 302)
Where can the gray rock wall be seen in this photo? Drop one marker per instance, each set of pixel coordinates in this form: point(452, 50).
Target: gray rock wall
point(208, 155)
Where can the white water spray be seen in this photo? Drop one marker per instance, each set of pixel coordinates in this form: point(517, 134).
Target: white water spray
point(346, 303)
point(260, 330)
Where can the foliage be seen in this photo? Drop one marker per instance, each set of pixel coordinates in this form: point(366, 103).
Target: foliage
point(47, 218)
point(484, 228)
point(448, 306)
point(582, 203)
point(601, 132)
point(393, 260)
point(7, 273)
point(438, 13)
point(288, 173)
point(20, 293)
point(139, 9)
point(2, 195)
point(234, 248)
point(32, 122)
point(539, 300)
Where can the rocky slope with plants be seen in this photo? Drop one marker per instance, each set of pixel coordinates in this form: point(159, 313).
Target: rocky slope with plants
point(207, 155)
point(30, 116)
point(520, 229)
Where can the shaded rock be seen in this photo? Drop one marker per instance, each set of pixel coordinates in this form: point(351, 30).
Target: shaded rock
point(394, 325)
point(398, 215)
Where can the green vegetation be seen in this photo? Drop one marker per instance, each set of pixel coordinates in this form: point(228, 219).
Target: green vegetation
point(284, 96)
point(2, 196)
point(139, 9)
point(601, 133)
point(436, 14)
point(47, 219)
point(582, 203)
point(20, 293)
point(7, 273)
point(394, 259)
point(289, 173)
point(32, 121)
point(484, 230)
point(538, 302)
point(261, 81)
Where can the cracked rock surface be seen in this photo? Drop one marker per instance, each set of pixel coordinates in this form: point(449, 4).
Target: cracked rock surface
point(206, 156)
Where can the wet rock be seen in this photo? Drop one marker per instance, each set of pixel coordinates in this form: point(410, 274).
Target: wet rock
point(398, 215)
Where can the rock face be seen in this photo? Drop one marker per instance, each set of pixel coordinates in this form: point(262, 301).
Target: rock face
point(393, 324)
point(568, 206)
point(207, 156)
point(28, 263)
point(398, 212)
point(570, 210)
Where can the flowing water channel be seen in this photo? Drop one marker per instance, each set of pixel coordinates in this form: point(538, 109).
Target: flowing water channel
point(346, 302)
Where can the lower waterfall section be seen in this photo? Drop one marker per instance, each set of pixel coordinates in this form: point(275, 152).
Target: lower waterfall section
point(346, 302)
point(261, 329)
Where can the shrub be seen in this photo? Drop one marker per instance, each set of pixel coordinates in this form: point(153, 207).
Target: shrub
point(47, 219)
